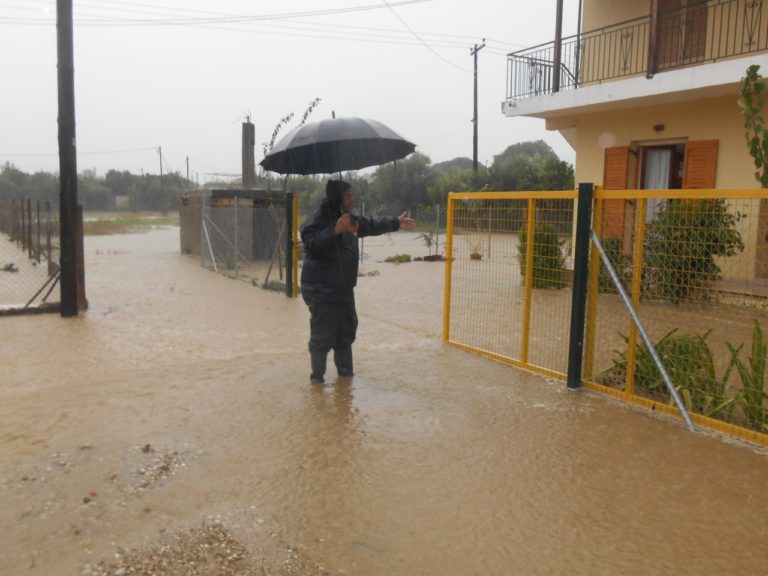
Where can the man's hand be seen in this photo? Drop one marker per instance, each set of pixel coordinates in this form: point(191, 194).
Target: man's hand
point(406, 223)
point(345, 224)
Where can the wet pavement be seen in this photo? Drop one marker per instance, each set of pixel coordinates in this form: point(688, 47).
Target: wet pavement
point(181, 400)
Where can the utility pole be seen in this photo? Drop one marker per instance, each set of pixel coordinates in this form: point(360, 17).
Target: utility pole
point(160, 152)
point(474, 52)
point(67, 158)
point(248, 172)
point(557, 57)
point(187, 168)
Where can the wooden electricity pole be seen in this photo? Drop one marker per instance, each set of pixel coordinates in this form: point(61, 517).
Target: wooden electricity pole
point(249, 168)
point(473, 52)
point(557, 57)
point(162, 196)
point(67, 159)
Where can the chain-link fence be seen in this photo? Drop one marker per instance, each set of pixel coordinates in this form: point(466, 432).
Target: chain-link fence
point(29, 256)
point(245, 234)
point(509, 266)
point(695, 264)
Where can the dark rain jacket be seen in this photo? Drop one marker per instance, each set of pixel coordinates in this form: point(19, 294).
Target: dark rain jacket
point(329, 273)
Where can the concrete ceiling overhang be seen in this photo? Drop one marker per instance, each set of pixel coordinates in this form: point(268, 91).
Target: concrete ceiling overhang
point(679, 85)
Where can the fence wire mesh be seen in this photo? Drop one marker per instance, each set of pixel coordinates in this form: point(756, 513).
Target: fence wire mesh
point(694, 263)
point(509, 262)
point(245, 238)
point(29, 255)
point(696, 266)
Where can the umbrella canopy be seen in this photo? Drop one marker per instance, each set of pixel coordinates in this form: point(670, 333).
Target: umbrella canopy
point(336, 144)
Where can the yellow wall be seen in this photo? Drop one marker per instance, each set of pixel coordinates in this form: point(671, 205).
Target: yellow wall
point(599, 13)
point(711, 119)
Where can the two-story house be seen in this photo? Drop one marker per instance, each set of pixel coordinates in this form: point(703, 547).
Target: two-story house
point(646, 94)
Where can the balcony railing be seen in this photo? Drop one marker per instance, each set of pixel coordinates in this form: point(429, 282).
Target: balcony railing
point(698, 33)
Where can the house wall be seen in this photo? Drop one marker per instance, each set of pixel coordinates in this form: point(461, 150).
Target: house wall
point(711, 119)
point(600, 13)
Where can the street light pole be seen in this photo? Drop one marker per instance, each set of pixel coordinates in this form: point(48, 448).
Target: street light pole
point(473, 52)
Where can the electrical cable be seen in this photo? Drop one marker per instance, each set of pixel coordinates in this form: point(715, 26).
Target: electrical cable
point(229, 18)
point(427, 46)
point(388, 36)
point(100, 152)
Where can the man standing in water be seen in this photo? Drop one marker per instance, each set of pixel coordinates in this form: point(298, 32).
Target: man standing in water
point(329, 274)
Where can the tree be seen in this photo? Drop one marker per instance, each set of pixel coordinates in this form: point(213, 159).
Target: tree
point(456, 180)
point(682, 242)
point(401, 185)
point(530, 166)
point(752, 103)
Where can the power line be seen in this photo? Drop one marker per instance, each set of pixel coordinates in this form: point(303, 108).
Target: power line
point(427, 46)
point(79, 153)
point(214, 18)
point(320, 30)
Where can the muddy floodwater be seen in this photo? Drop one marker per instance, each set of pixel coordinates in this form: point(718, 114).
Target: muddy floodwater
point(179, 404)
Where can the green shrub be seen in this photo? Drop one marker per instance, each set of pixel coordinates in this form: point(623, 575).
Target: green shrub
point(689, 361)
point(682, 242)
point(621, 264)
point(690, 364)
point(753, 395)
point(548, 259)
point(398, 258)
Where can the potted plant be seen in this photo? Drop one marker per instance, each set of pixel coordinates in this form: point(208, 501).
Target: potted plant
point(430, 239)
point(475, 248)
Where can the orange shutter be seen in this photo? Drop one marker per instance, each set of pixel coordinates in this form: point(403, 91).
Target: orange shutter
point(700, 164)
point(615, 177)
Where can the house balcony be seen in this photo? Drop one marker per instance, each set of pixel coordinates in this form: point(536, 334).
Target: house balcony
point(700, 50)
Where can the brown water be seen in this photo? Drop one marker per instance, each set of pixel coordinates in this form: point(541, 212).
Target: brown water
point(183, 396)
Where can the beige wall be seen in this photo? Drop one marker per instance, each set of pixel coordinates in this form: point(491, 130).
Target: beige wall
point(599, 13)
point(712, 119)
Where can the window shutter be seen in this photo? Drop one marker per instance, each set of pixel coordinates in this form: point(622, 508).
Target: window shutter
point(695, 30)
point(700, 164)
point(615, 177)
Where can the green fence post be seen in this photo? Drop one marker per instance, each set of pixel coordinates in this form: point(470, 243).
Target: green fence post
point(580, 277)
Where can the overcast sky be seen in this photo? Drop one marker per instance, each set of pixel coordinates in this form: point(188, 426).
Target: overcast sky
point(184, 74)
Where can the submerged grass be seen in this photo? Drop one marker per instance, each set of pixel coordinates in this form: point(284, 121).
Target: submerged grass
point(107, 223)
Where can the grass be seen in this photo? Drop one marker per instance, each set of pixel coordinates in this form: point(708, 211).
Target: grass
point(108, 223)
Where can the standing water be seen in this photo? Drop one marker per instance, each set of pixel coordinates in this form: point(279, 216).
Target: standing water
point(177, 412)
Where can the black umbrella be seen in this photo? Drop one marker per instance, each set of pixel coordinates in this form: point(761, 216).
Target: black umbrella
point(336, 144)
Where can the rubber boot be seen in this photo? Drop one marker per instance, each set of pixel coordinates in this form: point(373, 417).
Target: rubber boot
point(343, 360)
point(318, 367)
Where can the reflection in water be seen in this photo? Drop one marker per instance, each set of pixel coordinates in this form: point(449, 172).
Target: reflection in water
point(429, 461)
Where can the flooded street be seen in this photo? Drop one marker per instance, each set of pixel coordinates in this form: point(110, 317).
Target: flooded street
point(181, 399)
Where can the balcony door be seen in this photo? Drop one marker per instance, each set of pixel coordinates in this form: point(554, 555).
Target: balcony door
point(691, 164)
point(682, 33)
point(661, 169)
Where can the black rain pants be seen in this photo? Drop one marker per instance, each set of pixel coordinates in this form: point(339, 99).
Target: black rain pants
point(333, 325)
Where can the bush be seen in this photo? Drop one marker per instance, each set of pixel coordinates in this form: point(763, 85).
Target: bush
point(752, 374)
point(690, 364)
point(398, 258)
point(621, 264)
point(682, 241)
point(548, 259)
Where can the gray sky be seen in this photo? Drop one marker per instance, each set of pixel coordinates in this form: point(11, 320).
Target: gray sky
point(184, 74)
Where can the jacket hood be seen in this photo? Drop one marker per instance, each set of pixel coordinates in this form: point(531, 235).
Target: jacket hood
point(334, 194)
